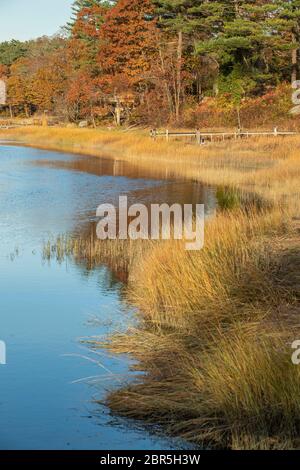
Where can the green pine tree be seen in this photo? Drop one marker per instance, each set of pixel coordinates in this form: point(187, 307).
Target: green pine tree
point(79, 5)
point(286, 22)
point(245, 41)
point(189, 21)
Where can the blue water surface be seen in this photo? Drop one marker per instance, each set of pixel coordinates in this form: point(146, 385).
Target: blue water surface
point(51, 380)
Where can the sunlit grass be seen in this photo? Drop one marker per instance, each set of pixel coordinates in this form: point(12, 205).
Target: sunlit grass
point(215, 326)
point(266, 165)
point(215, 336)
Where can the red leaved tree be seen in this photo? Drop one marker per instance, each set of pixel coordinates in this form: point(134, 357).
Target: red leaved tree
point(127, 45)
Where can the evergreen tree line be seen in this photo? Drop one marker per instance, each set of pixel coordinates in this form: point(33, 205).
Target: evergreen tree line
point(156, 61)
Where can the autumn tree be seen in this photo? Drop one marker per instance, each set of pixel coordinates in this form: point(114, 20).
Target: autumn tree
point(126, 50)
point(82, 97)
point(152, 61)
point(19, 86)
point(37, 82)
point(4, 70)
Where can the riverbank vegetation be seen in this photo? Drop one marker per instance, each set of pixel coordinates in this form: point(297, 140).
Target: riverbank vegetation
point(215, 336)
point(214, 329)
point(155, 62)
point(266, 166)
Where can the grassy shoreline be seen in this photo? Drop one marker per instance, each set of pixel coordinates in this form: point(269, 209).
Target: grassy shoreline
point(215, 327)
point(237, 161)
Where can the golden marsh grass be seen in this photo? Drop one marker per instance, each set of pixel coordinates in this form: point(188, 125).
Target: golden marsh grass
point(215, 327)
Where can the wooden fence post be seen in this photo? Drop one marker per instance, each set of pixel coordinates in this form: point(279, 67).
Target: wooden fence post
point(167, 135)
point(198, 136)
point(275, 131)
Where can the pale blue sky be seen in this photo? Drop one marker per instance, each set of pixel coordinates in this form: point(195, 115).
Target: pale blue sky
point(27, 19)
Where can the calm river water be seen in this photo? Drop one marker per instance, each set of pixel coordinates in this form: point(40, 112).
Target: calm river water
point(50, 383)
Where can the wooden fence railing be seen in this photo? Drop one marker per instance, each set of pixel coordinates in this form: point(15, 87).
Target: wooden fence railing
point(202, 137)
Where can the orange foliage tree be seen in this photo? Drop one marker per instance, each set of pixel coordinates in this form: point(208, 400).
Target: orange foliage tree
point(127, 47)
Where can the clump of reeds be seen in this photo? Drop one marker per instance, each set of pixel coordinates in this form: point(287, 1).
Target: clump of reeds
point(238, 390)
point(118, 255)
point(180, 283)
point(228, 198)
point(214, 336)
